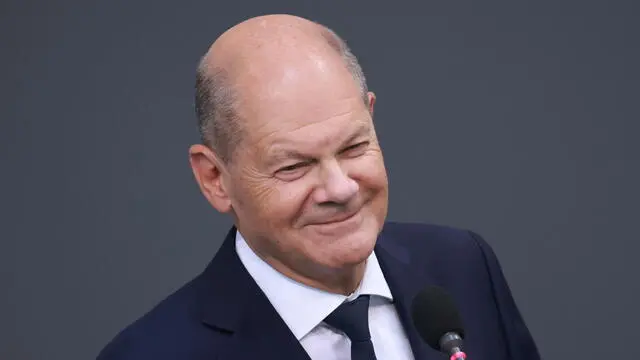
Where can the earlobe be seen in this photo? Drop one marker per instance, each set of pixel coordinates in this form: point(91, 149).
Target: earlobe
point(208, 172)
point(372, 100)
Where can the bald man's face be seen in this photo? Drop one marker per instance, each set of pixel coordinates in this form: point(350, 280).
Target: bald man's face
point(308, 185)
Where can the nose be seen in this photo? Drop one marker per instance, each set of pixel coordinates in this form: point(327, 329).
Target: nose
point(337, 186)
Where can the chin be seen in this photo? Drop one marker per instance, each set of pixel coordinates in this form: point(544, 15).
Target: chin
point(354, 248)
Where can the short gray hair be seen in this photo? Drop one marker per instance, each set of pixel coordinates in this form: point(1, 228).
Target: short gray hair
point(350, 60)
point(218, 121)
point(216, 98)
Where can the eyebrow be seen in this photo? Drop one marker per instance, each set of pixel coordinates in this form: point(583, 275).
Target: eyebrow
point(281, 153)
point(362, 129)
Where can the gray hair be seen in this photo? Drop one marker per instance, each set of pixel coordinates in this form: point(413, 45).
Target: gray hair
point(216, 98)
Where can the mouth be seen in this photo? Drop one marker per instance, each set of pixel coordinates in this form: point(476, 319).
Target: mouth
point(338, 219)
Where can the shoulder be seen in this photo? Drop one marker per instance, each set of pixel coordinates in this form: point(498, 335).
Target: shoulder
point(440, 248)
point(170, 330)
point(420, 235)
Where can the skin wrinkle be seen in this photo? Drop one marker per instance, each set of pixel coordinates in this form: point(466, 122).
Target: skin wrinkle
point(285, 121)
point(283, 146)
point(297, 94)
point(234, 49)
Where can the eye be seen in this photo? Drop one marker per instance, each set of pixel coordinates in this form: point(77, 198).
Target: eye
point(292, 167)
point(292, 172)
point(356, 149)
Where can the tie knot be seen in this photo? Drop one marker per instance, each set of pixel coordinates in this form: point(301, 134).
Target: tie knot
point(352, 318)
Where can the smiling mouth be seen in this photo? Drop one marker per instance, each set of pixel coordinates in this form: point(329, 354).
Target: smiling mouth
point(339, 219)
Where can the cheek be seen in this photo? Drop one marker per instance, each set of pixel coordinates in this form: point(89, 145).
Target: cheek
point(290, 199)
point(370, 171)
point(275, 204)
point(254, 199)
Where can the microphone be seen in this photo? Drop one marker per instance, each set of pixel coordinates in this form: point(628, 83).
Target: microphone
point(438, 321)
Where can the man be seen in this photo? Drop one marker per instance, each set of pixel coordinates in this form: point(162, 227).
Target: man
point(290, 152)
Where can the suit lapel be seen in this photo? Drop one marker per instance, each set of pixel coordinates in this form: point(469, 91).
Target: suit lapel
point(232, 303)
point(263, 335)
point(405, 279)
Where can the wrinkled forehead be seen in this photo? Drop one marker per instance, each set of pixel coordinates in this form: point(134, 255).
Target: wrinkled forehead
point(308, 127)
point(305, 120)
point(296, 97)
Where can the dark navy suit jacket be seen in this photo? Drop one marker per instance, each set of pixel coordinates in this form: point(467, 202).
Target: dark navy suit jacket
point(223, 314)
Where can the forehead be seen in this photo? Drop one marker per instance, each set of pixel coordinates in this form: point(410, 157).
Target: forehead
point(308, 132)
point(311, 104)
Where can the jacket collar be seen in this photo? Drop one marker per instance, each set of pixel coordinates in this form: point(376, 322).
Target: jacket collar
point(406, 276)
point(300, 306)
point(230, 301)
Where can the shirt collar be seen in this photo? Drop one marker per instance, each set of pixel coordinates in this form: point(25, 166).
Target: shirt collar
point(300, 306)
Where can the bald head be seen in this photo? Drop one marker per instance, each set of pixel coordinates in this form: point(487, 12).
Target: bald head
point(261, 56)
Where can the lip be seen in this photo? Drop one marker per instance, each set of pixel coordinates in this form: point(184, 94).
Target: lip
point(339, 219)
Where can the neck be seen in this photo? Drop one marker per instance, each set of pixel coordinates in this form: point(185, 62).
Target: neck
point(342, 281)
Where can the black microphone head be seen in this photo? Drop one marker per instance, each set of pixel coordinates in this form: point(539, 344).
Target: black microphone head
point(435, 314)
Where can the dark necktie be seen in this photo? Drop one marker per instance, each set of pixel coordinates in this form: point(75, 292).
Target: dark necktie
point(353, 319)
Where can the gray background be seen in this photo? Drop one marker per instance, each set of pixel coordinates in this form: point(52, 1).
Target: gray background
point(519, 121)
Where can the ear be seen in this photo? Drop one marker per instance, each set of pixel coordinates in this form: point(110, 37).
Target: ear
point(372, 100)
point(210, 173)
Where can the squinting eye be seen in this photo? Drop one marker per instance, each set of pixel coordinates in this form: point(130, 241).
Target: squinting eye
point(293, 167)
point(292, 172)
point(356, 149)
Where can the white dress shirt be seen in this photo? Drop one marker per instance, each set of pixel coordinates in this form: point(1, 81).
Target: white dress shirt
point(304, 308)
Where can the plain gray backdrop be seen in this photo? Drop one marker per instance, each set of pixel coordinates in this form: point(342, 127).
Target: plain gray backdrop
point(516, 120)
